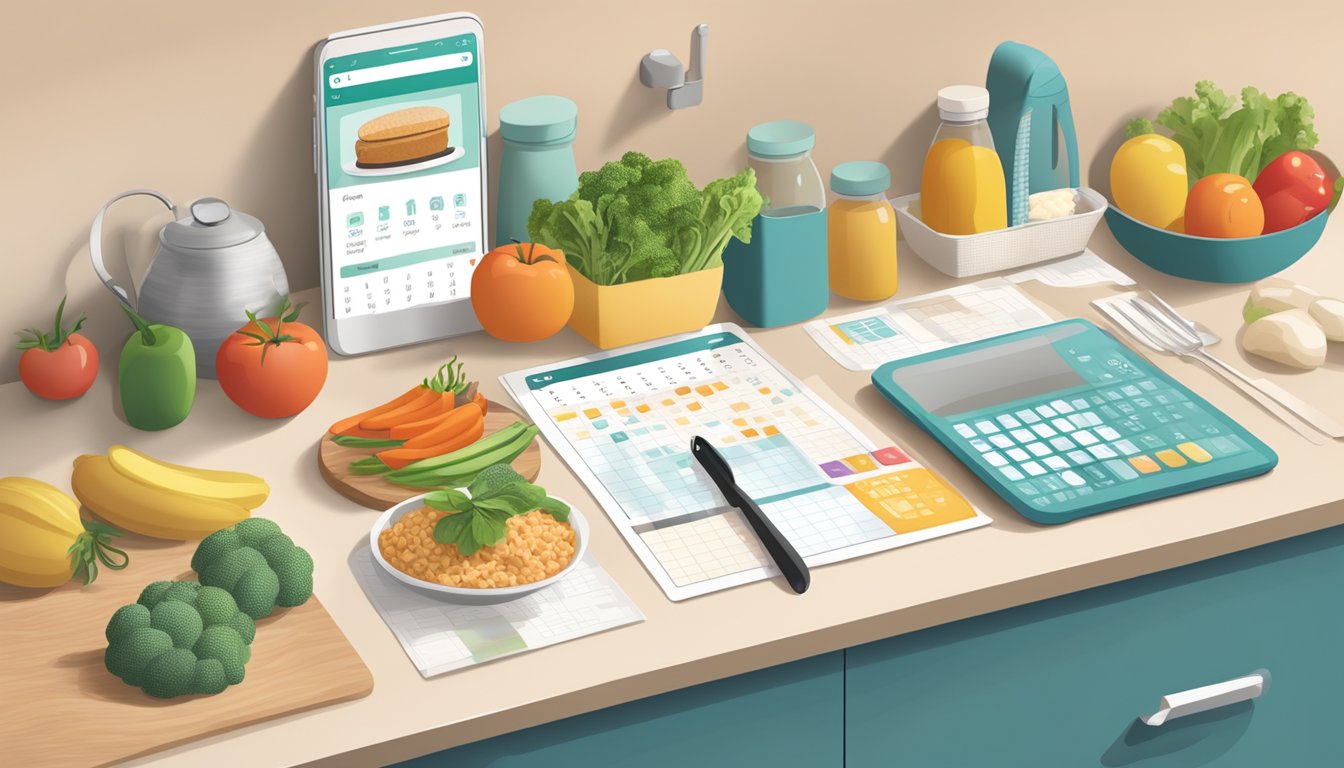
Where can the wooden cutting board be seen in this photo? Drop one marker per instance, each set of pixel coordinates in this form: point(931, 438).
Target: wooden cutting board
point(65, 709)
point(374, 492)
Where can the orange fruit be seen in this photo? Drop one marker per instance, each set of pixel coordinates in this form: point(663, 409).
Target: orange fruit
point(1223, 205)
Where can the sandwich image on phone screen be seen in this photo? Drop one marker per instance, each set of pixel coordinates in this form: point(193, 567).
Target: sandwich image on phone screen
point(402, 134)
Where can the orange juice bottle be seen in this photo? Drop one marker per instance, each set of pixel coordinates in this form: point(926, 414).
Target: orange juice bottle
point(861, 232)
point(962, 190)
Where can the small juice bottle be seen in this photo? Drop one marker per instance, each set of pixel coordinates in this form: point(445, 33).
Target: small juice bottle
point(962, 191)
point(861, 232)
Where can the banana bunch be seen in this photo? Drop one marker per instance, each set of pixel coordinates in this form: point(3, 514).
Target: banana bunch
point(43, 541)
point(167, 501)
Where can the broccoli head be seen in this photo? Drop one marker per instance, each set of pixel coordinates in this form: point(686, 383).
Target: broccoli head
point(180, 638)
point(258, 565)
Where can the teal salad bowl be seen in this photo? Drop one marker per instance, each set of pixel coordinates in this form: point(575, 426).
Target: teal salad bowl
point(1215, 259)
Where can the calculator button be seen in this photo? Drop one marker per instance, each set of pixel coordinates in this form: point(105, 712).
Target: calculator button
point(1017, 454)
point(1001, 441)
point(986, 427)
point(1079, 404)
point(1130, 390)
point(1110, 413)
point(1052, 483)
point(1040, 501)
point(1056, 463)
point(1148, 385)
point(1062, 443)
point(1171, 458)
point(1028, 417)
point(1106, 433)
point(1100, 477)
point(1023, 435)
point(1196, 454)
point(996, 459)
point(1151, 441)
point(1125, 447)
point(1046, 411)
point(1144, 464)
point(1125, 408)
point(1008, 422)
point(1064, 496)
point(1043, 430)
point(1123, 470)
point(1063, 425)
point(1012, 474)
point(1102, 451)
point(1061, 407)
point(1033, 469)
point(1027, 489)
point(964, 430)
point(1224, 446)
point(1084, 437)
point(1038, 449)
point(1073, 478)
point(980, 445)
point(1080, 457)
point(1083, 490)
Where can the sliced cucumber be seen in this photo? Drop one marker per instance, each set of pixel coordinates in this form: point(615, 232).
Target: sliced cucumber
point(484, 445)
point(463, 471)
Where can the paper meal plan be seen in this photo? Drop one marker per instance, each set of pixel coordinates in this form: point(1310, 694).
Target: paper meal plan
point(864, 340)
point(440, 637)
point(624, 420)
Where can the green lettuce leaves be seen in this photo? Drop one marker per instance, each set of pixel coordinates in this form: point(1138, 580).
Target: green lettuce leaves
point(1218, 139)
point(639, 218)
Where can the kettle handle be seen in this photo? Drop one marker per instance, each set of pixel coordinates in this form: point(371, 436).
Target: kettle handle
point(96, 241)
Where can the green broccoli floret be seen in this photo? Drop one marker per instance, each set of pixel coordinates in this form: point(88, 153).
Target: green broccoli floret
point(259, 565)
point(180, 620)
point(162, 647)
point(494, 477)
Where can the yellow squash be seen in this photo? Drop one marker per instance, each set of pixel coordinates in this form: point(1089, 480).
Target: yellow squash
point(149, 509)
point(247, 491)
point(1148, 180)
point(43, 541)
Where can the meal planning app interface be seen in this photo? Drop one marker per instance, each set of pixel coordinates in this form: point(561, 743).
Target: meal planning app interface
point(403, 162)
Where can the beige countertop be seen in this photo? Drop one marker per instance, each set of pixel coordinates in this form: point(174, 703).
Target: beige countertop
point(1007, 563)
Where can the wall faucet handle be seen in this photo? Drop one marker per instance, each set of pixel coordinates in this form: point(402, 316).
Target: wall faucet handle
point(698, 37)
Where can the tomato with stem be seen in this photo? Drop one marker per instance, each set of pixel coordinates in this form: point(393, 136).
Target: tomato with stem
point(273, 367)
point(60, 365)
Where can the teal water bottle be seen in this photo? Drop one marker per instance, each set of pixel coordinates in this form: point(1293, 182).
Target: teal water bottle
point(538, 161)
point(780, 277)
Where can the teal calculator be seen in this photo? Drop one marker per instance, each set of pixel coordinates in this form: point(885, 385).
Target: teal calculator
point(1064, 421)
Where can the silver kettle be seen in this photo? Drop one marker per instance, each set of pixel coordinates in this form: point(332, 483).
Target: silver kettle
point(212, 266)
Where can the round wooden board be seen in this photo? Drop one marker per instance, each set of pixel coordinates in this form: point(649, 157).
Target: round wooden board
point(374, 492)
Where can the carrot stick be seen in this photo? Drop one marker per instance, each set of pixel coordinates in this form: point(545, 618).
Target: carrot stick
point(344, 426)
point(481, 402)
point(397, 458)
point(459, 419)
point(410, 429)
point(386, 419)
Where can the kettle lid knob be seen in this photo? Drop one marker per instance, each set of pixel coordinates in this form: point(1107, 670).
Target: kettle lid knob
point(210, 211)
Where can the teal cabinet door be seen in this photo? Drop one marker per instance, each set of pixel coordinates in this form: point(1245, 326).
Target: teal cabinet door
point(782, 717)
point(1062, 682)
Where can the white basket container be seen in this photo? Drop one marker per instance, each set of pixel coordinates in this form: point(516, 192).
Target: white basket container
point(968, 255)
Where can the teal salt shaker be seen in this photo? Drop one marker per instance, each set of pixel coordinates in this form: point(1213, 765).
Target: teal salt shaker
point(781, 276)
point(537, 162)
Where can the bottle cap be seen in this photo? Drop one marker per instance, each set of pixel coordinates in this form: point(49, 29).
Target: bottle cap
point(963, 103)
point(860, 178)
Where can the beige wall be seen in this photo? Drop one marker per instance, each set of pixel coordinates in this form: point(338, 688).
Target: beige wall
point(105, 96)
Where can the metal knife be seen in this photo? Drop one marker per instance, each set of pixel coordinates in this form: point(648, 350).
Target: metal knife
point(781, 551)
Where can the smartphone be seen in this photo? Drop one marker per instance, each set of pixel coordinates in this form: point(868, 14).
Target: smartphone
point(400, 158)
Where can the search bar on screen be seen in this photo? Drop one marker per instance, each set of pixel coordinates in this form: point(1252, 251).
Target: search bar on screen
point(400, 69)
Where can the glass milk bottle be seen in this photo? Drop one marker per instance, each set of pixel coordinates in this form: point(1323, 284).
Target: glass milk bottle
point(780, 276)
point(861, 230)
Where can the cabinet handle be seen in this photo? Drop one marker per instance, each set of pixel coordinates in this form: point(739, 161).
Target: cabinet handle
point(1175, 705)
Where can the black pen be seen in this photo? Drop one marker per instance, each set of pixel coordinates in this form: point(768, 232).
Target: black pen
point(781, 551)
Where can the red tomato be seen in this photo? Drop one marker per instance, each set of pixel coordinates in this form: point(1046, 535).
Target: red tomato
point(272, 368)
point(522, 292)
point(63, 373)
point(1292, 188)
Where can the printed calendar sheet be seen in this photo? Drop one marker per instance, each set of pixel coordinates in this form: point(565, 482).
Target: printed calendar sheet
point(624, 420)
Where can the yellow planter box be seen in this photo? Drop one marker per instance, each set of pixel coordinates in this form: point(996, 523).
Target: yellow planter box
point(616, 315)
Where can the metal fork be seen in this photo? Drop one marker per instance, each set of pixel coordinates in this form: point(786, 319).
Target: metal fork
point(1167, 329)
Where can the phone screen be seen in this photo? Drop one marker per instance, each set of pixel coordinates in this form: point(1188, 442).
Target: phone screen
point(403, 149)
